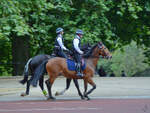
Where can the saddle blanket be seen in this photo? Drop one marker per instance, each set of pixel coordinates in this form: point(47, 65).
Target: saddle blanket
point(72, 65)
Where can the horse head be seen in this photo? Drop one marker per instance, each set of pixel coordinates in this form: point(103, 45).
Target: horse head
point(103, 50)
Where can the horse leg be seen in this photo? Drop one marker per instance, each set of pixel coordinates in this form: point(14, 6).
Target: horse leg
point(85, 89)
point(29, 81)
point(77, 86)
point(68, 81)
point(42, 86)
point(49, 83)
point(27, 87)
point(90, 81)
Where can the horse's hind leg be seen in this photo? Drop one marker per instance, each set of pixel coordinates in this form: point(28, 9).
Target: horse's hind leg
point(68, 81)
point(42, 86)
point(49, 83)
point(29, 82)
point(27, 87)
point(77, 86)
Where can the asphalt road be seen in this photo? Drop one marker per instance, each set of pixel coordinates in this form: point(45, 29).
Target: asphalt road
point(107, 88)
point(112, 95)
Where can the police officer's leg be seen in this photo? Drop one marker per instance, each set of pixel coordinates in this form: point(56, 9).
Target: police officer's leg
point(78, 59)
point(57, 53)
point(61, 54)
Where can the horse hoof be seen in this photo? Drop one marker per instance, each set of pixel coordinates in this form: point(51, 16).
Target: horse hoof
point(82, 98)
point(23, 94)
point(51, 98)
point(22, 82)
point(56, 94)
point(88, 99)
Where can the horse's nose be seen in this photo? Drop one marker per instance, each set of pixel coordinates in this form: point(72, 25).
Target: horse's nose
point(108, 57)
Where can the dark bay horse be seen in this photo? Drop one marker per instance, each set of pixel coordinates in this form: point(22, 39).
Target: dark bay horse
point(31, 65)
point(57, 66)
point(34, 62)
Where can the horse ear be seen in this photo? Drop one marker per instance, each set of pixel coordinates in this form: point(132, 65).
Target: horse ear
point(100, 45)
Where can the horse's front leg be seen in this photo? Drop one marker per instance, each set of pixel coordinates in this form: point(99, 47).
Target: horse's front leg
point(90, 81)
point(85, 89)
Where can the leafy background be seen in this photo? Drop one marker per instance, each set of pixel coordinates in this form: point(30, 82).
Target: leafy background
point(27, 28)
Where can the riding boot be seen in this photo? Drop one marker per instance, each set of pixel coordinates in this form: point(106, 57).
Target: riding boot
point(78, 70)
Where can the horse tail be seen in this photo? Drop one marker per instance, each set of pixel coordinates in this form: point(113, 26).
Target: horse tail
point(26, 72)
point(40, 71)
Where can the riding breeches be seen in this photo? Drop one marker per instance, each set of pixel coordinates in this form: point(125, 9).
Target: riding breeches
point(77, 57)
point(60, 53)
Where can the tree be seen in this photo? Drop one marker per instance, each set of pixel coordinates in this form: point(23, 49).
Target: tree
point(14, 29)
point(116, 23)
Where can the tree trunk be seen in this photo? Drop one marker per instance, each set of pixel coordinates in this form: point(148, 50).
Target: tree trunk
point(20, 54)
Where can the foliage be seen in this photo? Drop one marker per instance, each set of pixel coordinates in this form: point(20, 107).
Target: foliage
point(147, 54)
point(130, 59)
point(115, 22)
point(5, 62)
point(145, 73)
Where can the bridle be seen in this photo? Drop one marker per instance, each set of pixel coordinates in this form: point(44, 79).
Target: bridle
point(102, 48)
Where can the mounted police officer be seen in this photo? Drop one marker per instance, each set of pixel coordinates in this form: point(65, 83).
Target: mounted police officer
point(59, 45)
point(77, 51)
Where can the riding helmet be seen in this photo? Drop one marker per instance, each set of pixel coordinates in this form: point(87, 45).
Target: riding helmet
point(79, 31)
point(58, 30)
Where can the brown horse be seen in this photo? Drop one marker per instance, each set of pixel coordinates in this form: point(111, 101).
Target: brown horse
point(57, 66)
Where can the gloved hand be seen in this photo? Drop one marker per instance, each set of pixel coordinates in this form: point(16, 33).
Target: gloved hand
point(81, 52)
point(67, 50)
point(70, 52)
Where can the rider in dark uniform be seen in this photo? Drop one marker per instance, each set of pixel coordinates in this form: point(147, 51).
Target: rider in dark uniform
point(77, 51)
point(58, 50)
point(59, 46)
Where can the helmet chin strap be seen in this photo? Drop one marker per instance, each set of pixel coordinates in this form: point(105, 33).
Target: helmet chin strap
point(80, 35)
point(62, 32)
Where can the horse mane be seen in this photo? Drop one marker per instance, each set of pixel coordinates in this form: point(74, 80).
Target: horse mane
point(89, 53)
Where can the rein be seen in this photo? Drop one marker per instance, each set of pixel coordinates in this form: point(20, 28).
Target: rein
point(94, 56)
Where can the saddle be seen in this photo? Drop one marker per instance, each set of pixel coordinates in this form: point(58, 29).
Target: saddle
point(71, 64)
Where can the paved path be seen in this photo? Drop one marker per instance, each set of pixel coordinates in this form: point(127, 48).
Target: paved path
point(78, 106)
point(113, 95)
point(107, 87)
